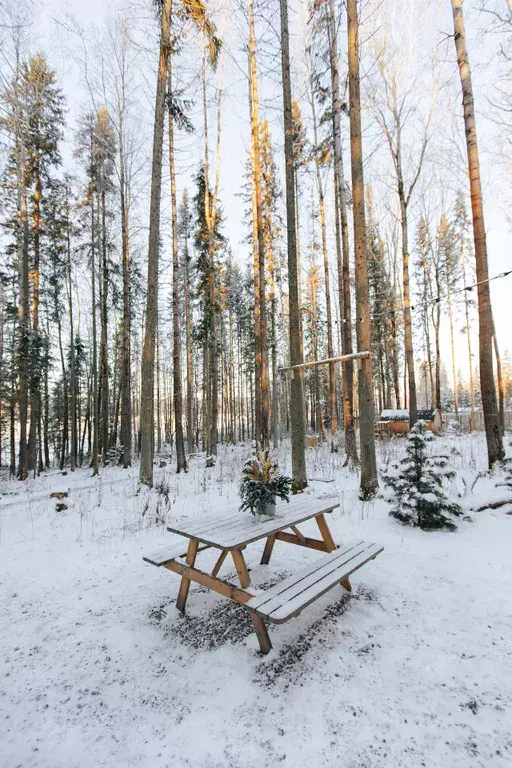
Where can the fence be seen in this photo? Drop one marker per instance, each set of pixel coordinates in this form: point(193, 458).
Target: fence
point(477, 424)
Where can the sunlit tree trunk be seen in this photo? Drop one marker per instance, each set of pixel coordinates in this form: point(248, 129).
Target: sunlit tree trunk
point(181, 461)
point(341, 211)
point(297, 386)
point(369, 481)
point(489, 401)
point(148, 354)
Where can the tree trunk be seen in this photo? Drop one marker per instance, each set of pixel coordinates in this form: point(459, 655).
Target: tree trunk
point(297, 386)
point(454, 367)
point(126, 395)
point(72, 367)
point(148, 355)
point(262, 418)
point(330, 346)
point(489, 402)
point(23, 301)
point(188, 328)
point(369, 481)
point(341, 211)
point(104, 410)
point(181, 461)
point(35, 374)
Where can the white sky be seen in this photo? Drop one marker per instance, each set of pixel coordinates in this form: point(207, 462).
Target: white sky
point(61, 45)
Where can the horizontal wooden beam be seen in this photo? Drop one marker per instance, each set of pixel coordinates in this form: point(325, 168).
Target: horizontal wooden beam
point(291, 538)
point(327, 361)
point(211, 582)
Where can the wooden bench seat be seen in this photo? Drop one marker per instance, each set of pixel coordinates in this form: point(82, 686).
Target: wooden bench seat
point(166, 554)
point(288, 598)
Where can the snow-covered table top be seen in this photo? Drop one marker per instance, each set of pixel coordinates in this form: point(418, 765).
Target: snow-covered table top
point(233, 529)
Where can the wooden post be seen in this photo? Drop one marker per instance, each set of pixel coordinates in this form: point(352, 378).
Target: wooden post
point(185, 581)
point(261, 631)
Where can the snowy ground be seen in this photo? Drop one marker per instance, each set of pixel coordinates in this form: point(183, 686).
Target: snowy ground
point(97, 668)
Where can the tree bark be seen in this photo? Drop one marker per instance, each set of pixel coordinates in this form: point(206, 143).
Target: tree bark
point(181, 461)
point(262, 417)
point(369, 481)
point(341, 211)
point(297, 386)
point(489, 401)
point(148, 354)
point(321, 204)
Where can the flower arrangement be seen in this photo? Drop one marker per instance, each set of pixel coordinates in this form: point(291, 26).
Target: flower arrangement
point(262, 483)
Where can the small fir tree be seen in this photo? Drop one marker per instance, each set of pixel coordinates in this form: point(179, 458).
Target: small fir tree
point(417, 484)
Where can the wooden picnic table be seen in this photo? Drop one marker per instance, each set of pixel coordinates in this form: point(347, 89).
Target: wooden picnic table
point(232, 531)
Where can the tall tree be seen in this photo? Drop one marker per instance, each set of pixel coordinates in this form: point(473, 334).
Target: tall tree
point(369, 481)
point(260, 306)
point(151, 315)
point(320, 155)
point(342, 239)
point(297, 385)
point(175, 114)
point(495, 450)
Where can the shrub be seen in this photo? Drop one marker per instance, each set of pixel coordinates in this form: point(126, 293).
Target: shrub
point(417, 482)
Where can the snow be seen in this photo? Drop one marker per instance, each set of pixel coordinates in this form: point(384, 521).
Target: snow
point(98, 668)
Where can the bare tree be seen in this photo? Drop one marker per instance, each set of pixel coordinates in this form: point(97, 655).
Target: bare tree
point(395, 103)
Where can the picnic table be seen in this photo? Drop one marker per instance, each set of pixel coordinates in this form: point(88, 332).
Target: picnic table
point(232, 531)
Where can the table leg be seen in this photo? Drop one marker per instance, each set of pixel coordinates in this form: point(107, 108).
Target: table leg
point(267, 552)
point(241, 568)
point(219, 562)
point(185, 581)
point(325, 533)
point(261, 631)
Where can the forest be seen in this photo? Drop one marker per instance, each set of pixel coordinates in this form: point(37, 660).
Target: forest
point(153, 301)
point(255, 383)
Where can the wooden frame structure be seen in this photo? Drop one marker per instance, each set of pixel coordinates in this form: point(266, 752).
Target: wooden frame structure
point(204, 537)
point(327, 361)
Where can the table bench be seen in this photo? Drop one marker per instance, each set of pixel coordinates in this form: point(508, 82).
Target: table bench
point(233, 531)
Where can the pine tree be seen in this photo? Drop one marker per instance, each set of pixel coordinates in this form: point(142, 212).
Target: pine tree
point(416, 481)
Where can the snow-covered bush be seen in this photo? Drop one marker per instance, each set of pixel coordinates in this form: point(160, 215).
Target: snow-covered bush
point(416, 482)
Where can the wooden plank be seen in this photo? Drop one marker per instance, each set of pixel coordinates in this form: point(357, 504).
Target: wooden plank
point(297, 532)
point(231, 532)
point(254, 530)
point(211, 582)
point(301, 601)
point(328, 361)
point(241, 568)
point(261, 632)
point(304, 541)
point(161, 556)
point(218, 564)
point(297, 596)
point(213, 532)
point(185, 581)
point(267, 552)
point(325, 533)
point(232, 515)
point(340, 555)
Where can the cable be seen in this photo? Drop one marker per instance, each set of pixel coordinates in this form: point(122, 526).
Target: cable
point(435, 300)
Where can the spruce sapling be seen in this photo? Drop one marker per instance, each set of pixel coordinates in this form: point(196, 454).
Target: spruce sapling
point(419, 498)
